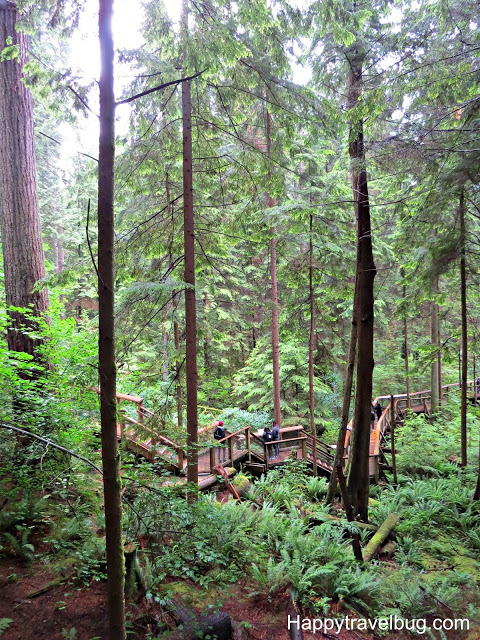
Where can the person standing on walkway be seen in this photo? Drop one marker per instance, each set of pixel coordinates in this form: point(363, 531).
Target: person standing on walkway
point(372, 417)
point(267, 437)
point(219, 434)
point(275, 439)
point(378, 409)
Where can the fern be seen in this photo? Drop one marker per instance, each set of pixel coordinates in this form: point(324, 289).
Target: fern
point(4, 624)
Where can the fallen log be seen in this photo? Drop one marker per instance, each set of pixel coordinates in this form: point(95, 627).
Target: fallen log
point(221, 471)
point(212, 479)
point(380, 536)
point(56, 582)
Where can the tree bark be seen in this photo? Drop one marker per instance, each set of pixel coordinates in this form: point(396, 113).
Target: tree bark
point(347, 395)
point(359, 479)
point(463, 294)
point(435, 373)
point(106, 319)
point(176, 334)
point(190, 301)
point(405, 342)
point(273, 277)
point(23, 255)
point(311, 394)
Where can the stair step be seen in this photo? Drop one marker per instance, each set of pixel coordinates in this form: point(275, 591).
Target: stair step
point(385, 467)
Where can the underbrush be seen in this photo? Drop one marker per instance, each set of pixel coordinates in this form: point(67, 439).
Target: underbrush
point(281, 540)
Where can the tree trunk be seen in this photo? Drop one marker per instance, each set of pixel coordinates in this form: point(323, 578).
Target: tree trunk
point(313, 428)
point(435, 375)
point(59, 254)
point(178, 365)
point(347, 394)
point(405, 341)
point(106, 319)
point(463, 293)
point(359, 479)
point(165, 340)
point(190, 301)
point(23, 255)
point(273, 277)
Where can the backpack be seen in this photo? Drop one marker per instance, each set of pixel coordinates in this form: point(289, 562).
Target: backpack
point(219, 433)
point(267, 436)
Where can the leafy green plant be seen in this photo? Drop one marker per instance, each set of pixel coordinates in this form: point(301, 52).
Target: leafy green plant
point(19, 545)
point(4, 624)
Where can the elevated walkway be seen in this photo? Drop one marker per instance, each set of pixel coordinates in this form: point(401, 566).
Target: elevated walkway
point(246, 448)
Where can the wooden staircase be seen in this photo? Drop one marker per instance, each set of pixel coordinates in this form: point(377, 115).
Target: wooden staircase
point(247, 449)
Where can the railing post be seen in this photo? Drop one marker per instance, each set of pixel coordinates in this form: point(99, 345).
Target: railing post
point(248, 443)
point(230, 450)
point(265, 453)
point(392, 440)
point(304, 449)
point(180, 458)
point(120, 420)
point(140, 412)
point(212, 458)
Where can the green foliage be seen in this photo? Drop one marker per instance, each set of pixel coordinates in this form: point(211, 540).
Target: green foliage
point(4, 624)
point(11, 51)
point(425, 447)
point(253, 384)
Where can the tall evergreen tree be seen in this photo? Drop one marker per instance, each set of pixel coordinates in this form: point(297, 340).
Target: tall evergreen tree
point(23, 255)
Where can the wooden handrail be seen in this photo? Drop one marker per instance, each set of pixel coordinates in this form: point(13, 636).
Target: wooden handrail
point(231, 435)
point(211, 426)
point(156, 435)
point(128, 398)
point(401, 396)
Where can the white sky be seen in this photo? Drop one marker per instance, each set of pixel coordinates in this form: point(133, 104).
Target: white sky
point(84, 58)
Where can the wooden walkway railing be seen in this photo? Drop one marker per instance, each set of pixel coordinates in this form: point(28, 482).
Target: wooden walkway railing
point(243, 445)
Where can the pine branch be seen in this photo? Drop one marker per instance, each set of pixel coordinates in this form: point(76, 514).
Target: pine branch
point(159, 88)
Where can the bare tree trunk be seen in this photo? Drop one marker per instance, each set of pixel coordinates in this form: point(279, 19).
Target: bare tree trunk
point(359, 479)
point(405, 342)
point(313, 428)
point(476, 495)
point(347, 394)
point(463, 293)
point(176, 334)
point(190, 301)
point(208, 338)
point(273, 276)
point(164, 354)
point(23, 255)
point(435, 382)
point(106, 319)
point(59, 253)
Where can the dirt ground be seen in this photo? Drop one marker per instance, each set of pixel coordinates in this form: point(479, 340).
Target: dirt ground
point(53, 614)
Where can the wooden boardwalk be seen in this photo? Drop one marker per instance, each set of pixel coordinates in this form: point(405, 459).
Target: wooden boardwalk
point(246, 448)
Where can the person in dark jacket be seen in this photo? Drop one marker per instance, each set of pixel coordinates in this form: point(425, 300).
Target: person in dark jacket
point(378, 409)
point(267, 437)
point(219, 434)
point(372, 417)
point(275, 439)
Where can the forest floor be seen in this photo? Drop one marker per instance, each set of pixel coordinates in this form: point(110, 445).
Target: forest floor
point(73, 610)
point(53, 614)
